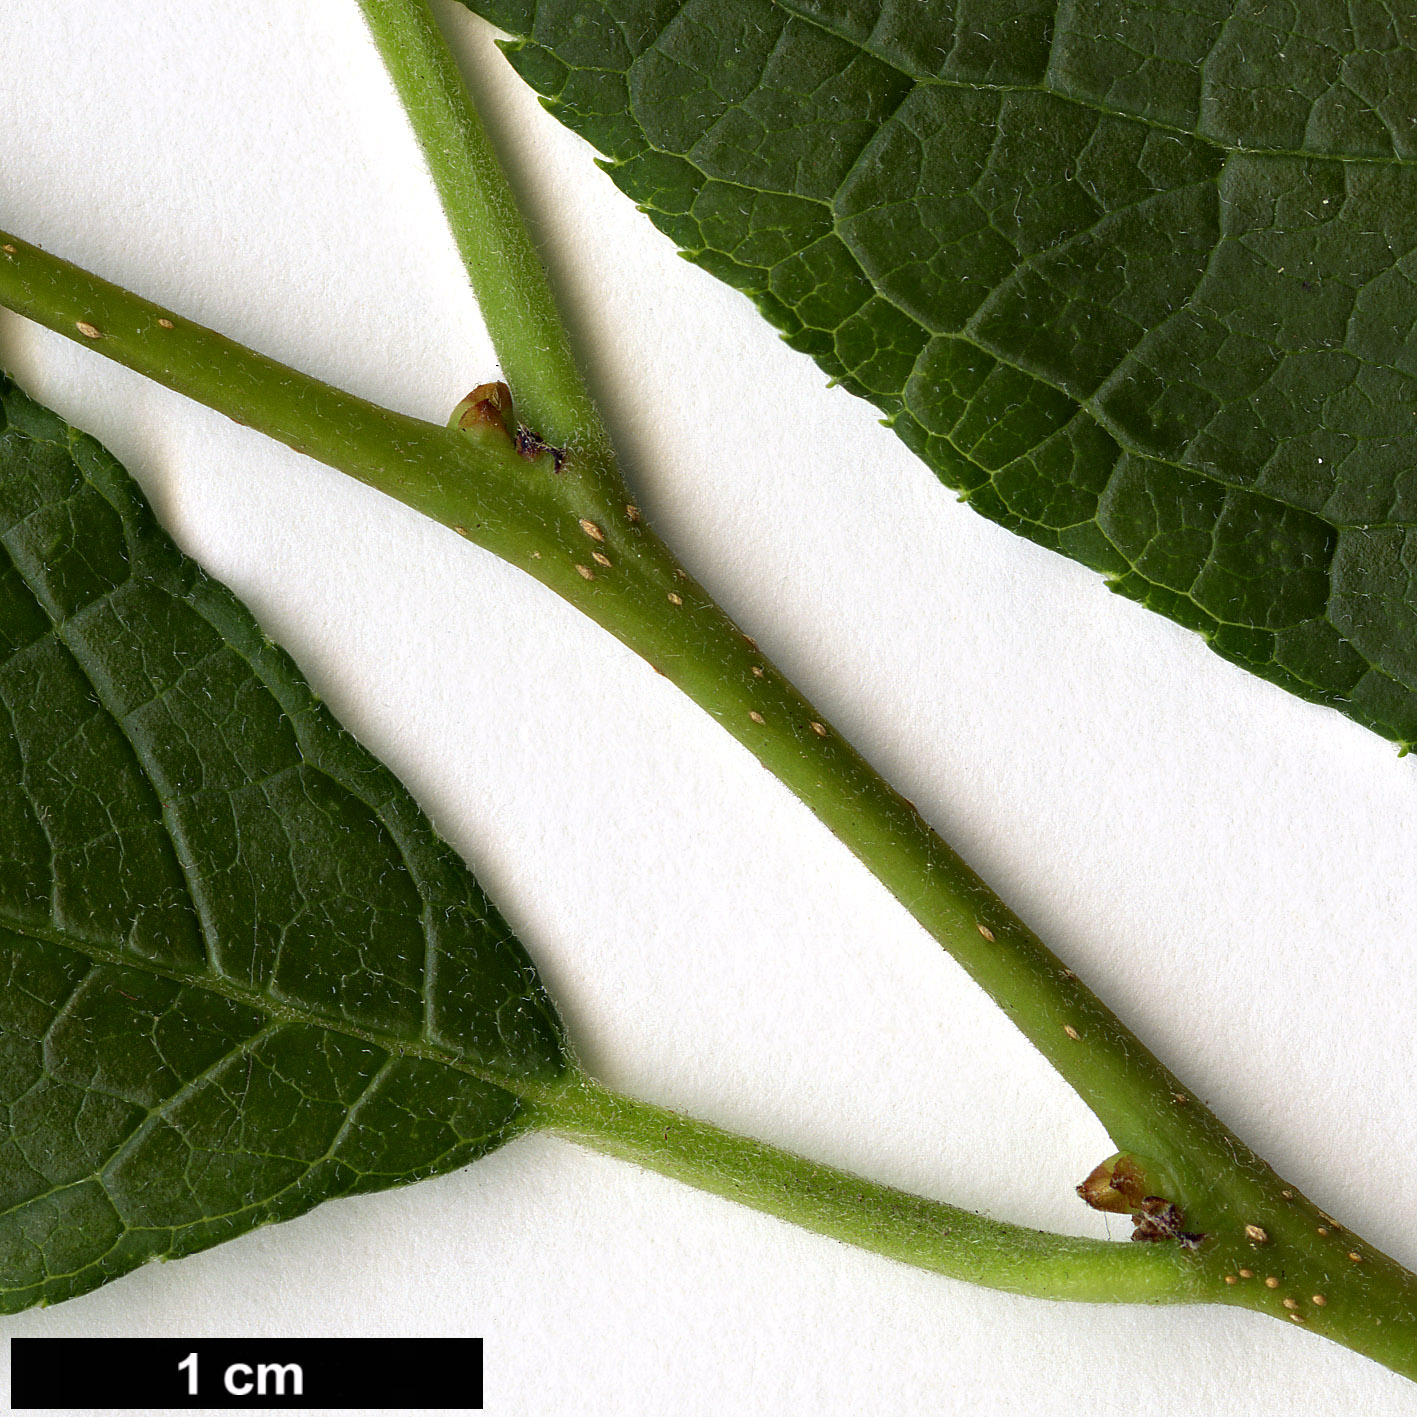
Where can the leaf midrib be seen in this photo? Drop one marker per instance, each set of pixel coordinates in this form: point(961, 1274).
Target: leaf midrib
point(525, 1089)
point(138, 1132)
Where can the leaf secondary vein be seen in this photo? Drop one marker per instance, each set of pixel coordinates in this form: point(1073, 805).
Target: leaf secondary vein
point(818, 22)
point(966, 336)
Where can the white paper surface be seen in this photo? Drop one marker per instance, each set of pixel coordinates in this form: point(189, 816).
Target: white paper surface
point(1230, 868)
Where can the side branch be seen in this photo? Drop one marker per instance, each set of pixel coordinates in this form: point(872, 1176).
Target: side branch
point(925, 1233)
point(502, 265)
point(1308, 1273)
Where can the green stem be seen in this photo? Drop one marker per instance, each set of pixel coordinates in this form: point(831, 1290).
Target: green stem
point(570, 531)
point(502, 264)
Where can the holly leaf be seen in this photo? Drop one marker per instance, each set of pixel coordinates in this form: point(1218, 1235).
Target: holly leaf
point(1137, 279)
point(241, 973)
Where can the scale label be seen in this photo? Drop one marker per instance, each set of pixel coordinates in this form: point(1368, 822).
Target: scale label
point(124, 1374)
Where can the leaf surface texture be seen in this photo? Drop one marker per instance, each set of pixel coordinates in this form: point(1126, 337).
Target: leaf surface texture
point(239, 972)
point(1136, 277)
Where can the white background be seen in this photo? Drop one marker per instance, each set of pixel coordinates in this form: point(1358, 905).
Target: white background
point(1232, 869)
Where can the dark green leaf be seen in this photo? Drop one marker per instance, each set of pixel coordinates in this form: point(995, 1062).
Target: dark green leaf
point(241, 974)
point(1140, 280)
